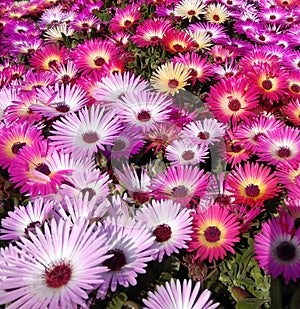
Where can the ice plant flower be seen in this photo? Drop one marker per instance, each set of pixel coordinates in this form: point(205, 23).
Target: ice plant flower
point(169, 223)
point(57, 268)
point(277, 248)
point(181, 184)
point(85, 133)
point(215, 233)
point(177, 295)
point(169, 78)
point(252, 184)
point(187, 9)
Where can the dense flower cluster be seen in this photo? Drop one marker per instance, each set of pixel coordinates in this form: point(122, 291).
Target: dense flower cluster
point(147, 148)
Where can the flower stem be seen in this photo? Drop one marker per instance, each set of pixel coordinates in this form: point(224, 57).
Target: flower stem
point(276, 293)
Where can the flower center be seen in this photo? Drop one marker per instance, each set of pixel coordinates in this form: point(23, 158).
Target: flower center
point(52, 63)
point(222, 199)
point(262, 38)
point(252, 190)
point(286, 251)
point(267, 84)
point(31, 227)
point(212, 234)
point(204, 135)
point(143, 116)
point(180, 191)
point(193, 72)
point(62, 108)
point(257, 136)
point(234, 105)
point(173, 83)
point(216, 17)
point(43, 168)
point(90, 137)
point(119, 145)
point(272, 17)
point(90, 191)
point(284, 152)
point(236, 148)
point(15, 148)
point(162, 233)
point(65, 78)
point(191, 12)
point(141, 197)
point(117, 261)
point(99, 61)
point(154, 38)
point(127, 23)
point(295, 88)
point(58, 275)
point(178, 47)
point(188, 155)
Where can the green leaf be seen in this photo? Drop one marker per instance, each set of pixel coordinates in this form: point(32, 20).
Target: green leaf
point(250, 303)
point(117, 301)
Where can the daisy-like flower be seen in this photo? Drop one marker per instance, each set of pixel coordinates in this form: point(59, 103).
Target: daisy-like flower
point(187, 9)
point(174, 295)
point(249, 133)
point(130, 253)
point(25, 218)
point(15, 137)
point(280, 145)
point(199, 68)
point(53, 15)
point(232, 100)
point(269, 81)
point(84, 22)
point(273, 15)
point(49, 56)
point(181, 184)
point(127, 144)
point(39, 169)
point(277, 248)
point(143, 110)
point(85, 133)
point(150, 32)
point(125, 18)
point(169, 223)
point(220, 54)
point(184, 152)
point(169, 78)
point(256, 57)
point(292, 111)
point(292, 60)
point(177, 41)
point(216, 13)
point(7, 96)
point(227, 70)
point(93, 55)
point(115, 86)
point(213, 30)
point(215, 233)
point(252, 184)
point(294, 84)
point(58, 268)
point(136, 184)
point(65, 73)
point(205, 132)
point(59, 100)
point(202, 39)
point(34, 80)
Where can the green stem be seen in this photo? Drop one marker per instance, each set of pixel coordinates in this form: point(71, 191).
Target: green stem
point(276, 293)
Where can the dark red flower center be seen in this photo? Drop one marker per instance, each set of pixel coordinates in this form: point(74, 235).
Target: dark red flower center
point(90, 191)
point(262, 38)
point(191, 12)
point(257, 136)
point(154, 38)
point(272, 17)
point(84, 25)
point(162, 233)
point(173, 83)
point(43, 168)
point(31, 227)
point(216, 17)
point(236, 148)
point(193, 72)
point(286, 251)
point(117, 261)
point(295, 88)
point(180, 191)
point(204, 135)
point(127, 23)
point(234, 105)
point(267, 84)
point(58, 275)
point(212, 234)
point(65, 78)
point(144, 116)
point(119, 145)
point(252, 190)
point(141, 197)
point(53, 63)
point(62, 108)
point(15, 148)
point(188, 155)
point(290, 19)
point(178, 47)
point(222, 199)
point(284, 152)
point(90, 137)
point(99, 61)
point(229, 2)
